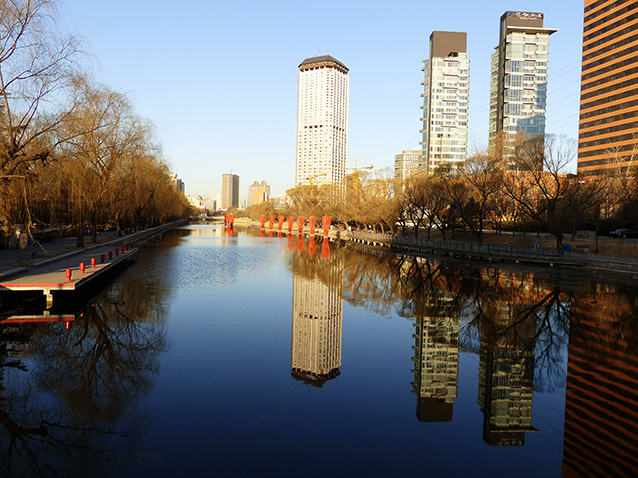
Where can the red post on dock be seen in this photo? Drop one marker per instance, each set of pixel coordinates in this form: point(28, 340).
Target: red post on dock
point(262, 221)
point(313, 223)
point(302, 222)
point(326, 225)
point(121, 248)
point(102, 258)
point(68, 274)
point(93, 262)
point(110, 254)
point(117, 251)
point(82, 267)
point(291, 222)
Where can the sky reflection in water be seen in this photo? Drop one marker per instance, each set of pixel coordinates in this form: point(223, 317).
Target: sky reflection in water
point(256, 356)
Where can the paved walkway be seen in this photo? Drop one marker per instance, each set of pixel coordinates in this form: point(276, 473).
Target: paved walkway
point(14, 262)
point(68, 273)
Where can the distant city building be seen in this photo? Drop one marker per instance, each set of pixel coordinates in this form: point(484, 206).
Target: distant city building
point(179, 184)
point(445, 103)
point(230, 191)
point(406, 164)
point(322, 121)
point(258, 193)
point(201, 202)
point(608, 129)
point(518, 87)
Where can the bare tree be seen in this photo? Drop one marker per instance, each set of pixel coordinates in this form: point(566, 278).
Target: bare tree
point(35, 62)
point(474, 194)
point(542, 190)
point(100, 137)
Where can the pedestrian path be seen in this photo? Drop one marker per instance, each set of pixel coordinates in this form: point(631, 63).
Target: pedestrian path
point(69, 273)
point(14, 260)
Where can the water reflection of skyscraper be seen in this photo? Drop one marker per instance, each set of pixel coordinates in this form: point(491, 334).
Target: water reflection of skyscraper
point(317, 317)
point(601, 404)
point(506, 376)
point(436, 367)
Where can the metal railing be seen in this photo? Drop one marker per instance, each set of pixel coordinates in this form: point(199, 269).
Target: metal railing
point(503, 250)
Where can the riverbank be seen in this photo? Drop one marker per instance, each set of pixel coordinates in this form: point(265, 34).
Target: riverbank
point(597, 254)
point(13, 261)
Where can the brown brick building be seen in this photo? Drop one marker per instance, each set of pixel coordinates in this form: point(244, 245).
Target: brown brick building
point(608, 128)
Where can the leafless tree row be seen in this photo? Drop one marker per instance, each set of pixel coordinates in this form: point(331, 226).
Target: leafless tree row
point(72, 151)
point(491, 192)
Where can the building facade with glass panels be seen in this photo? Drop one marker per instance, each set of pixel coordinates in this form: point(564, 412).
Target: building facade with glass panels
point(406, 164)
point(445, 103)
point(518, 87)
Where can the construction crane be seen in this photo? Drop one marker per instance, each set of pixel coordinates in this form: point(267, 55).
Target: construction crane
point(355, 169)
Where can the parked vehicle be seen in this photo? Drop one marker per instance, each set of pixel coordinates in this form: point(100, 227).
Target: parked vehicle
point(624, 233)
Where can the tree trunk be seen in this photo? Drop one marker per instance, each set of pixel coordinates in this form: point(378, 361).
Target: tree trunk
point(79, 242)
point(559, 243)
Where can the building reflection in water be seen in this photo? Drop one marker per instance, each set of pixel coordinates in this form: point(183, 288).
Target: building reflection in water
point(436, 366)
point(601, 400)
point(506, 379)
point(317, 316)
point(427, 297)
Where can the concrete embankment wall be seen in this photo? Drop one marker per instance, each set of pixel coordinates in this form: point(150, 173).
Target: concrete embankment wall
point(590, 262)
point(587, 261)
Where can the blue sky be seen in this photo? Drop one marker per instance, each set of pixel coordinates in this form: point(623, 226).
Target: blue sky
point(219, 78)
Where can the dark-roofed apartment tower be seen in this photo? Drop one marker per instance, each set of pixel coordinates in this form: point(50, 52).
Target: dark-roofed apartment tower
point(445, 102)
point(608, 129)
point(322, 121)
point(518, 89)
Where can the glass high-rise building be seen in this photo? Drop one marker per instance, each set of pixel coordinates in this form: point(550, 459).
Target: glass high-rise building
point(322, 121)
point(518, 88)
point(608, 129)
point(445, 103)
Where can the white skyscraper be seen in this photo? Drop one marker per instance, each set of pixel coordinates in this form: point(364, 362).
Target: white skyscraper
point(322, 121)
point(445, 103)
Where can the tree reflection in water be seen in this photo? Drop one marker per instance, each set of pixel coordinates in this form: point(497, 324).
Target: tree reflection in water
point(519, 321)
point(69, 397)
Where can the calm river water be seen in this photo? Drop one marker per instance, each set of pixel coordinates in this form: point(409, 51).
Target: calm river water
point(218, 354)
